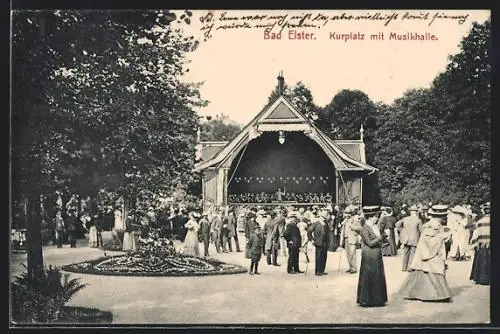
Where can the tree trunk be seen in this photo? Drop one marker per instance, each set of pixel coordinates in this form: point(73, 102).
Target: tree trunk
point(34, 236)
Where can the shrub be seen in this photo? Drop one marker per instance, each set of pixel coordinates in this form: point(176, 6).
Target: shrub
point(39, 300)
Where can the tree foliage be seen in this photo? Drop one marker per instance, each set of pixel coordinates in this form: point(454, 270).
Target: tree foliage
point(434, 144)
point(347, 111)
point(116, 112)
point(300, 96)
point(220, 128)
point(98, 102)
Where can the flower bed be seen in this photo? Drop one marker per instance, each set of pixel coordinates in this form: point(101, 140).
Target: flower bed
point(137, 265)
point(156, 256)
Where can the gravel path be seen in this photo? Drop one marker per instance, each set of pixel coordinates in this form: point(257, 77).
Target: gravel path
point(274, 297)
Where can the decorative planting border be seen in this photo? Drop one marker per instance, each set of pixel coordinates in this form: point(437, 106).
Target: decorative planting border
point(144, 267)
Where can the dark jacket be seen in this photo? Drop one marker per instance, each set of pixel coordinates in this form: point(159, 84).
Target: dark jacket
point(204, 228)
point(292, 235)
point(249, 224)
point(255, 244)
point(268, 233)
point(318, 233)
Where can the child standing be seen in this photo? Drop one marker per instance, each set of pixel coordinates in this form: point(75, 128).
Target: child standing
point(255, 245)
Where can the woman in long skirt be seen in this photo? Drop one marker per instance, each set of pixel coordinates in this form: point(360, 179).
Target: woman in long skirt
point(93, 236)
point(457, 221)
point(372, 288)
point(427, 281)
point(387, 224)
point(191, 243)
point(481, 266)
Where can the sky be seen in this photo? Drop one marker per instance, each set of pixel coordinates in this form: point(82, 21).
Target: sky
point(238, 67)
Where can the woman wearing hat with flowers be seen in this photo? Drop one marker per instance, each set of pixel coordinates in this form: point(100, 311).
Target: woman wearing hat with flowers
point(372, 288)
point(480, 241)
point(191, 246)
point(427, 280)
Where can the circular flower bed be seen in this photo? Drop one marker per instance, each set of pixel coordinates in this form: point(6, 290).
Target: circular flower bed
point(156, 257)
point(136, 265)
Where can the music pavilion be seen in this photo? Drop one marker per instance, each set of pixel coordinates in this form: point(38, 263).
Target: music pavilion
point(282, 158)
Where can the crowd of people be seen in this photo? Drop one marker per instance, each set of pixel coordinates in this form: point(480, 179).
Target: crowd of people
point(429, 236)
point(280, 196)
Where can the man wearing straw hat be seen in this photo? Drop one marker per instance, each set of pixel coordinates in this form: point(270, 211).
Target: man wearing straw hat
point(409, 232)
point(349, 238)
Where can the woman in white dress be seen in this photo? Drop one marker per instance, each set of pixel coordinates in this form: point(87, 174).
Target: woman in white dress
point(191, 243)
point(302, 225)
point(93, 235)
point(118, 219)
point(457, 221)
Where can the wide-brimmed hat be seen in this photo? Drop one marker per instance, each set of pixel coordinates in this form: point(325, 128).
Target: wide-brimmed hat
point(413, 208)
point(438, 210)
point(486, 205)
point(460, 210)
point(195, 214)
point(371, 210)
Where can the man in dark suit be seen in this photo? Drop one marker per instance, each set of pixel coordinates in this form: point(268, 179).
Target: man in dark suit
point(409, 229)
point(204, 231)
point(317, 233)
point(294, 241)
point(178, 222)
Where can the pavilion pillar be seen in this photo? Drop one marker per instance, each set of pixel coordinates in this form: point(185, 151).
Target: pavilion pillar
point(225, 185)
point(222, 186)
point(337, 197)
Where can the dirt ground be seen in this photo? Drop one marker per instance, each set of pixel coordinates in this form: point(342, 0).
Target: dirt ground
point(274, 297)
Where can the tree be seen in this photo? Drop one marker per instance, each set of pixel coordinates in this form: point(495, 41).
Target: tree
point(463, 94)
point(220, 128)
point(97, 97)
point(276, 93)
point(300, 96)
point(434, 144)
point(347, 111)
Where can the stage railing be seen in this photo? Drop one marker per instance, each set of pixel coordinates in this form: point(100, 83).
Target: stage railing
point(282, 203)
